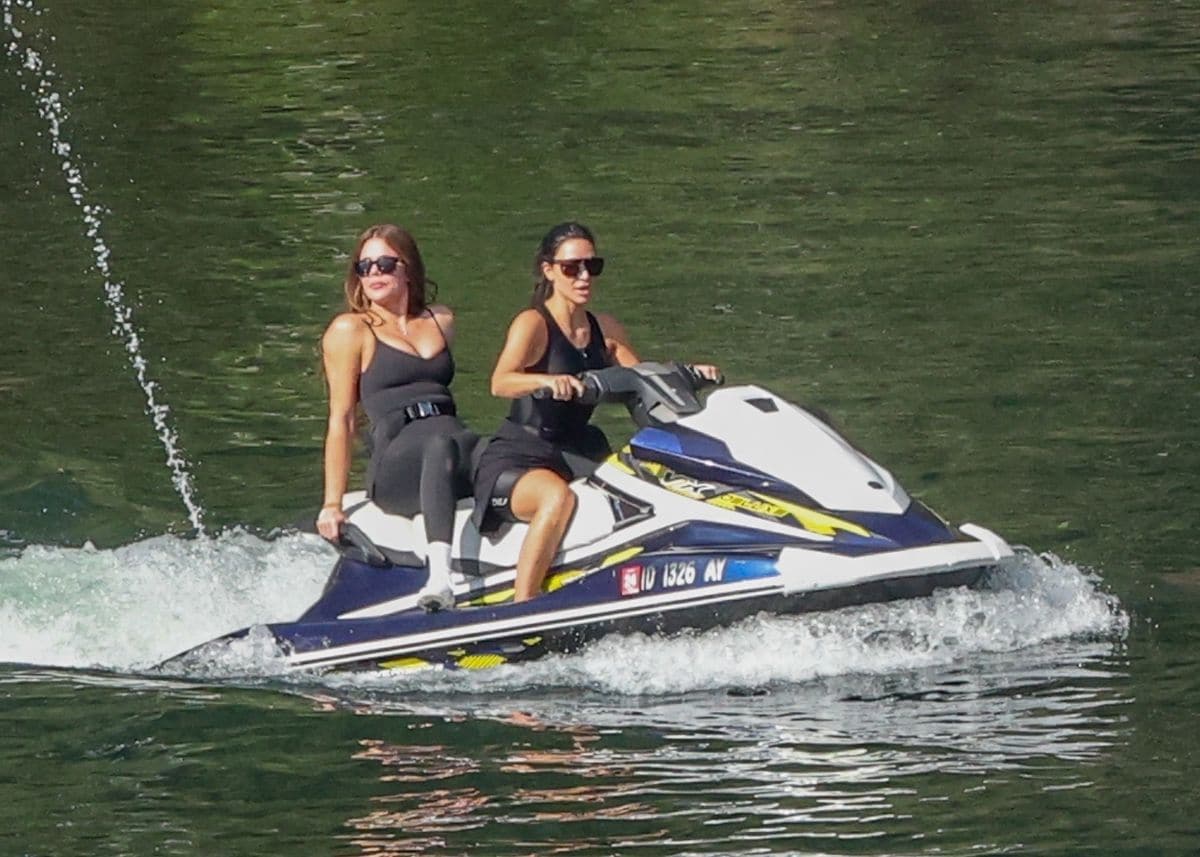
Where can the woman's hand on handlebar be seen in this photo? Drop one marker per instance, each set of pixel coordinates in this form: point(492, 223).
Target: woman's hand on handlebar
point(564, 387)
point(330, 520)
point(707, 371)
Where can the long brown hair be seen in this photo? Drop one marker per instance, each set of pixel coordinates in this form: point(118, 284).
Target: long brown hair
point(551, 241)
point(400, 240)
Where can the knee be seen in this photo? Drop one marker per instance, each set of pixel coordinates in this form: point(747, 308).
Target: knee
point(558, 502)
point(440, 453)
point(543, 498)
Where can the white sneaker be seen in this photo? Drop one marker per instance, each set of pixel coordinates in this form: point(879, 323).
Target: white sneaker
point(435, 598)
point(437, 593)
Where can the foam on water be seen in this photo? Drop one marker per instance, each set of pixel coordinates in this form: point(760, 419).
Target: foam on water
point(1035, 600)
point(1038, 600)
point(128, 608)
point(52, 109)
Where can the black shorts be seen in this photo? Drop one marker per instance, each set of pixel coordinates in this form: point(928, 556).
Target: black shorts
point(513, 452)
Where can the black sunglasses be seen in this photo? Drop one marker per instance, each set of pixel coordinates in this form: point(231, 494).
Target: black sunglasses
point(385, 264)
point(571, 267)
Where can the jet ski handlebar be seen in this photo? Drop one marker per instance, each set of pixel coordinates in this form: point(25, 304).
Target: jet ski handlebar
point(655, 393)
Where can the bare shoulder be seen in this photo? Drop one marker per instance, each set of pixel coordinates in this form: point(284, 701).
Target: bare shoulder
point(442, 313)
point(525, 341)
point(528, 322)
point(344, 332)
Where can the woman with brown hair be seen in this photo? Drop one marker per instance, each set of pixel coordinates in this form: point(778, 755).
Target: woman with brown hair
point(390, 352)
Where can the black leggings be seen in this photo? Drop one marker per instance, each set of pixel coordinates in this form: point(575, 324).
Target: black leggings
point(425, 468)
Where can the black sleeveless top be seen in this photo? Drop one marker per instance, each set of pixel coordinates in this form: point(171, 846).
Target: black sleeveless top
point(556, 420)
point(396, 378)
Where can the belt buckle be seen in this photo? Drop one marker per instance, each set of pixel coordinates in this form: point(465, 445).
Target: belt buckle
point(426, 409)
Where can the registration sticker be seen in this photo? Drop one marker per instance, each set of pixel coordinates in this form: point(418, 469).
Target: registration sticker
point(630, 580)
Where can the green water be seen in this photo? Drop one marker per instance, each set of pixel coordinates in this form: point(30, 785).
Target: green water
point(968, 231)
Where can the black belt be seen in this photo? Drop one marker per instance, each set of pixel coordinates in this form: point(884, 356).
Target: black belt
point(421, 410)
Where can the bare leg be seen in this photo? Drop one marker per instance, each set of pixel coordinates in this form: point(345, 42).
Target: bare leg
point(544, 500)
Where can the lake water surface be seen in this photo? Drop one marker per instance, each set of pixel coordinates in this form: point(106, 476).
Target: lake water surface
point(967, 231)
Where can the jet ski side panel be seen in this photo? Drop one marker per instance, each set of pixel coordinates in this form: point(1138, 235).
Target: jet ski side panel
point(658, 594)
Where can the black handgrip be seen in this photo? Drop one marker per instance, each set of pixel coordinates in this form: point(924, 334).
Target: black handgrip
point(590, 395)
point(699, 381)
point(353, 540)
point(593, 389)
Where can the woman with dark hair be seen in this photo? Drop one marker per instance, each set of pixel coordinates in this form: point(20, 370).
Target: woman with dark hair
point(390, 351)
point(524, 472)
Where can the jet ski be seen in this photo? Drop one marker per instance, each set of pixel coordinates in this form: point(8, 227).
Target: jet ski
point(717, 509)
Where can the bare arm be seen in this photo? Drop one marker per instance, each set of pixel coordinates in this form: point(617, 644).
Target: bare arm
point(524, 345)
point(341, 348)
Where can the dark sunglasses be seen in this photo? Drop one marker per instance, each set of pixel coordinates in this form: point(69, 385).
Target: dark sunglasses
point(385, 264)
point(571, 267)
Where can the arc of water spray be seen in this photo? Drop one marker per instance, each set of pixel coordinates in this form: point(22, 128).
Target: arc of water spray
point(52, 110)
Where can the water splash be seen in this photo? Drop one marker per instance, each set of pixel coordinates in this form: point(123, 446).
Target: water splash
point(124, 609)
point(128, 608)
point(53, 111)
point(1036, 600)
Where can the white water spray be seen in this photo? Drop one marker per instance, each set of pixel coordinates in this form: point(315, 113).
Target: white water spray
point(51, 108)
point(125, 609)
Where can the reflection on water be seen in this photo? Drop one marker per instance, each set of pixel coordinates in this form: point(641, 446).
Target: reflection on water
point(434, 812)
point(556, 762)
point(846, 756)
point(419, 764)
point(875, 721)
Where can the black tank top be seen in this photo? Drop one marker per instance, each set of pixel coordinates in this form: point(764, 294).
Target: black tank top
point(555, 420)
point(396, 378)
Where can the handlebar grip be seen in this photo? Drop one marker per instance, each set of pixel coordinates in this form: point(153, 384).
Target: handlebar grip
point(701, 381)
point(352, 538)
point(590, 395)
point(592, 389)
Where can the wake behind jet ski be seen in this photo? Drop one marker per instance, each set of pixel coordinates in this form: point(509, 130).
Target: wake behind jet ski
point(713, 512)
